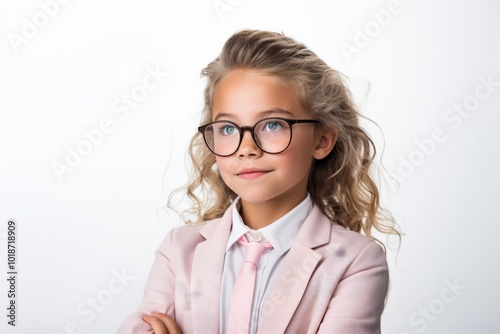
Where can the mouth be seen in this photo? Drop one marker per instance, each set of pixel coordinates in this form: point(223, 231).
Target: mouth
point(252, 173)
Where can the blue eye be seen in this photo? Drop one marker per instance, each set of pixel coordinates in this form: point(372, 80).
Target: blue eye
point(273, 126)
point(227, 130)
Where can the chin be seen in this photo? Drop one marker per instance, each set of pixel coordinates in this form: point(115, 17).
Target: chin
point(255, 198)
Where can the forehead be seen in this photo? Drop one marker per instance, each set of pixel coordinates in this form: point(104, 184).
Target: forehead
point(247, 95)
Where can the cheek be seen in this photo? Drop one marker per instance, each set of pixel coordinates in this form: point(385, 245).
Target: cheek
point(303, 143)
point(222, 166)
point(294, 162)
point(297, 158)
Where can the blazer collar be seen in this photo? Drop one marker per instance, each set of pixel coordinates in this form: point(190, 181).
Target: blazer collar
point(288, 289)
point(316, 229)
point(312, 234)
point(222, 226)
point(206, 275)
point(295, 273)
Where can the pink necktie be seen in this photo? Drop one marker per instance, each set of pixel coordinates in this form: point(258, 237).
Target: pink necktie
point(242, 299)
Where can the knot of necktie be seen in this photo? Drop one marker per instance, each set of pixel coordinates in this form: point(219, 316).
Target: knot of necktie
point(253, 249)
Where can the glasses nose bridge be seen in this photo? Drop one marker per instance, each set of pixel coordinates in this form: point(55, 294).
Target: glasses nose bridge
point(249, 129)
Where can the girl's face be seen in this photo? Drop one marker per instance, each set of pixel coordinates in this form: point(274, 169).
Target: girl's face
point(244, 97)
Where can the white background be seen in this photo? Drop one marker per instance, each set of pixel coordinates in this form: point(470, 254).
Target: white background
point(105, 218)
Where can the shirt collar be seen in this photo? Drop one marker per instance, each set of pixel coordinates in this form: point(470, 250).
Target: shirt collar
point(280, 233)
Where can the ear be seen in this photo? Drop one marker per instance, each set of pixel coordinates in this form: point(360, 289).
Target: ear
point(325, 141)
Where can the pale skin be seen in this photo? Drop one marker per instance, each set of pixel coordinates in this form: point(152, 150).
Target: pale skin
point(245, 96)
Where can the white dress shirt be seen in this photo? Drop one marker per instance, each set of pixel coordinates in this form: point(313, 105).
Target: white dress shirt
point(280, 234)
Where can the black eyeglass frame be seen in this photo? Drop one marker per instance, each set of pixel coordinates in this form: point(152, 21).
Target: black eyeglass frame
point(242, 130)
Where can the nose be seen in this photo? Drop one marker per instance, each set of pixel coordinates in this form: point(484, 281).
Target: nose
point(248, 147)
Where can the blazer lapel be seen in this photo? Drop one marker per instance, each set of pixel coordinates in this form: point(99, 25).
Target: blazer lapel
point(293, 278)
point(206, 275)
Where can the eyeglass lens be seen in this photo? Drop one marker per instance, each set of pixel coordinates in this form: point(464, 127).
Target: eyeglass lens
point(271, 135)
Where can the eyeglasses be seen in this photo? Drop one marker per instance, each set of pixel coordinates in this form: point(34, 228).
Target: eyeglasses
point(272, 135)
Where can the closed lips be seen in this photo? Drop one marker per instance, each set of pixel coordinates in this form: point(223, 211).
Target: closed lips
point(251, 171)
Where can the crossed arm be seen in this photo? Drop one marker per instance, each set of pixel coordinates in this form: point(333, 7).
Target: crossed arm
point(162, 323)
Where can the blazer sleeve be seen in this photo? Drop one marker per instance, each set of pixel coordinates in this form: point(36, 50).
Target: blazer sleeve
point(159, 292)
point(359, 299)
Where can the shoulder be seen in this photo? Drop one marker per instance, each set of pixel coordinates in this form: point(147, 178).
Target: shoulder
point(344, 247)
point(345, 238)
point(188, 235)
point(339, 247)
point(356, 253)
point(319, 230)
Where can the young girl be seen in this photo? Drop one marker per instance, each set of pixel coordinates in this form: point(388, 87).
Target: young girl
point(282, 173)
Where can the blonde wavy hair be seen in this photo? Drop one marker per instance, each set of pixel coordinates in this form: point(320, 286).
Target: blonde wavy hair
point(340, 184)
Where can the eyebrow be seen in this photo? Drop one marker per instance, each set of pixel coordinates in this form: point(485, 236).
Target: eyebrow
point(262, 114)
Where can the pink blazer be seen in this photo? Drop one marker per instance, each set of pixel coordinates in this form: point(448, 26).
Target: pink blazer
point(332, 281)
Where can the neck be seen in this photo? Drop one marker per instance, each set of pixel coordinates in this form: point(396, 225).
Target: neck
point(258, 215)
